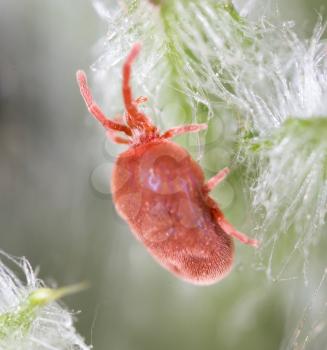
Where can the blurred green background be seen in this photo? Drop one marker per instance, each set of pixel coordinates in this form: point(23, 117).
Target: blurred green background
point(51, 213)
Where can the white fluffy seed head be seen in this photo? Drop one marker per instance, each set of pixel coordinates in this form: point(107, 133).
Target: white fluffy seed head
point(27, 324)
point(216, 57)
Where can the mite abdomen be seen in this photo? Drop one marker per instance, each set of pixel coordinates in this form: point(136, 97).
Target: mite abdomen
point(158, 189)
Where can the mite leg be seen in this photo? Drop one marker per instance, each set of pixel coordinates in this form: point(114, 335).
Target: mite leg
point(113, 134)
point(135, 118)
point(230, 230)
point(94, 108)
point(130, 105)
point(179, 130)
point(215, 180)
point(117, 139)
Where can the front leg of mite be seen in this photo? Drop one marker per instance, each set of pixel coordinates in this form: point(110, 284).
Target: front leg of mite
point(180, 130)
point(112, 134)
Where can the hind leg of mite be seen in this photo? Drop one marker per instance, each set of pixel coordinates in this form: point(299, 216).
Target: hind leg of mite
point(218, 214)
point(216, 180)
point(230, 230)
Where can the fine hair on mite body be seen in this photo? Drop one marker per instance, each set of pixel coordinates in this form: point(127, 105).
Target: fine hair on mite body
point(162, 194)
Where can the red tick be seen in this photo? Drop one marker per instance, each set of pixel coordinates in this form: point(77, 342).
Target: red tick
point(161, 192)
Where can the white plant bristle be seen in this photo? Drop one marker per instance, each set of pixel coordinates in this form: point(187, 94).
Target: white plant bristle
point(51, 327)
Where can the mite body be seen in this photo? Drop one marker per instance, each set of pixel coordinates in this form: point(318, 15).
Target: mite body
point(158, 190)
point(161, 192)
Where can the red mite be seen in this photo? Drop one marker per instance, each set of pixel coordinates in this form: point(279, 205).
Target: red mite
point(161, 192)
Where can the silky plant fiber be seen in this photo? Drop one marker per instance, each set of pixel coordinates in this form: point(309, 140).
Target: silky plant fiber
point(29, 316)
